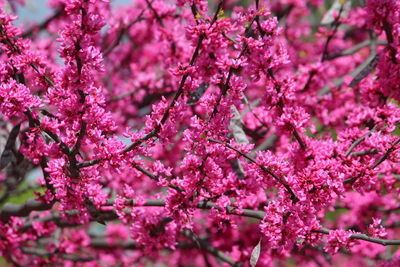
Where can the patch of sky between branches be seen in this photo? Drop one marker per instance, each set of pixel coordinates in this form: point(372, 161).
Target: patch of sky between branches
point(38, 10)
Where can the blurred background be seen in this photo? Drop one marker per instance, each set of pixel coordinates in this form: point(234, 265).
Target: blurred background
point(38, 10)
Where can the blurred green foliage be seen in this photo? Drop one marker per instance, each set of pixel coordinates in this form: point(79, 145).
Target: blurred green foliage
point(3, 262)
point(333, 215)
point(24, 195)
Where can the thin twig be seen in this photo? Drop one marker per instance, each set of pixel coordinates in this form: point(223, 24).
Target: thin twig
point(281, 105)
point(364, 237)
point(210, 249)
point(386, 155)
point(155, 178)
point(121, 33)
point(338, 82)
point(159, 20)
point(157, 129)
point(355, 49)
point(358, 141)
point(335, 25)
point(282, 181)
point(324, 56)
point(376, 164)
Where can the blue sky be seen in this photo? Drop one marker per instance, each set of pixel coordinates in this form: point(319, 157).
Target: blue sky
point(37, 10)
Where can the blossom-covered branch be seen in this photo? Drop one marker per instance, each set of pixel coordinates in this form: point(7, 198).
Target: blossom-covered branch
point(200, 132)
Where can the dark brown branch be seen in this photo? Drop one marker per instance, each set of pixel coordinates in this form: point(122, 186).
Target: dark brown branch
point(376, 164)
point(7, 41)
point(324, 56)
point(387, 27)
point(210, 249)
point(101, 243)
point(125, 28)
point(159, 20)
point(155, 178)
point(224, 87)
point(282, 181)
point(358, 141)
point(296, 135)
point(52, 135)
point(157, 129)
point(386, 155)
point(33, 205)
point(28, 113)
point(46, 175)
point(47, 79)
point(299, 139)
point(121, 33)
point(335, 25)
point(76, 147)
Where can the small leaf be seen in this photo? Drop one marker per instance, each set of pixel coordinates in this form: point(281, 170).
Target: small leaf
point(220, 14)
point(261, 10)
point(365, 71)
point(6, 156)
point(255, 254)
point(196, 95)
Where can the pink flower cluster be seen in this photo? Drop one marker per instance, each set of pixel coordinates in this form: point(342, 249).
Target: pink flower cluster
point(204, 133)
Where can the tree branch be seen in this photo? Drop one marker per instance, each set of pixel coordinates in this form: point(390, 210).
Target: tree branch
point(364, 237)
point(44, 253)
point(358, 141)
point(386, 155)
point(355, 49)
point(157, 129)
point(18, 211)
point(282, 181)
point(210, 249)
point(22, 210)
